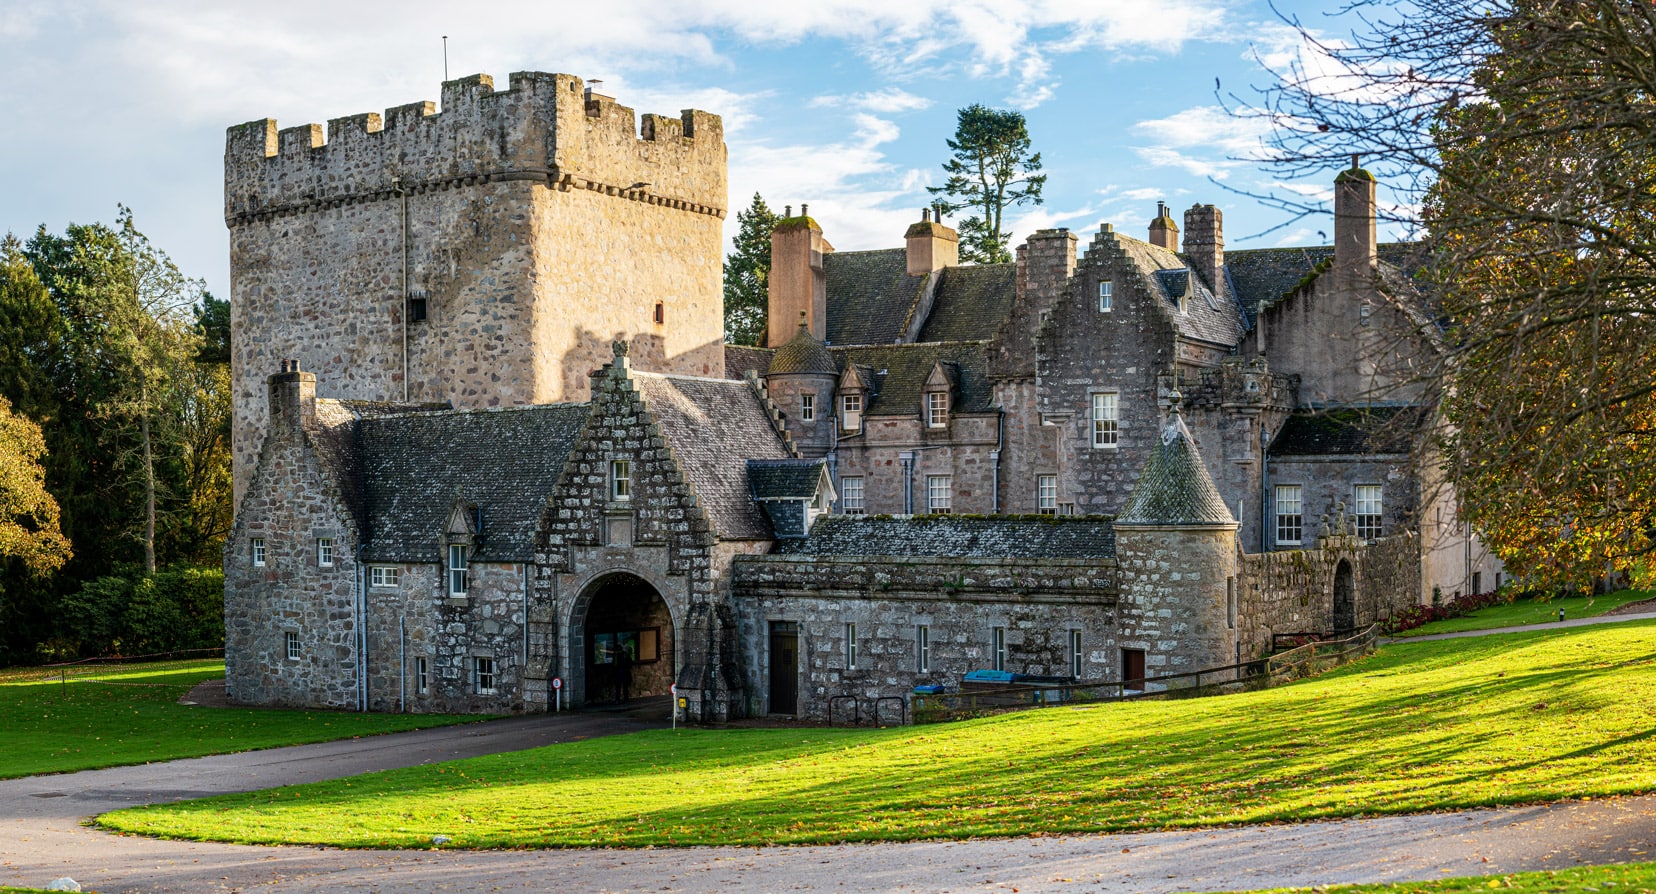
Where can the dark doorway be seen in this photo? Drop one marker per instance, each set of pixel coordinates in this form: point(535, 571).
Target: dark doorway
point(784, 667)
point(1345, 600)
point(627, 641)
point(1132, 668)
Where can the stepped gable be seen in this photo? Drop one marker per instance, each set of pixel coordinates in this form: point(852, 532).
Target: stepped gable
point(1347, 431)
point(897, 375)
point(504, 461)
point(741, 358)
point(971, 303)
point(1207, 317)
point(713, 427)
point(803, 354)
point(958, 537)
point(1262, 276)
point(870, 296)
point(1175, 488)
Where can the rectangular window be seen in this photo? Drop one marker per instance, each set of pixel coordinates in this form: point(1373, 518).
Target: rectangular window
point(807, 407)
point(997, 647)
point(937, 409)
point(1477, 582)
point(1106, 300)
point(922, 649)
point(292, 646)
point(620, 480)
point(1104, 420)
point(1290, 524)
point(422, 677)
point(1367, 500)
point(851, 412)
point(850, 644)
point(457, 568)
point(1075, 653)
point(324, 552)
point(383, 575)
point(257, 544)
point(851, 495)
point(940, 494)
point(1046, 494)
point(483, 674)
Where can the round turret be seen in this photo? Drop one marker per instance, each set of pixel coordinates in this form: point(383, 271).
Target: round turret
point(801, 383)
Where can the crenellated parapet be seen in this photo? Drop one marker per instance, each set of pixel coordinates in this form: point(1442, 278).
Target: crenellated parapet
point(545, 128)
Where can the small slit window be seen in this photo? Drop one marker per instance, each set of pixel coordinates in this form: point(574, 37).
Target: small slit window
point(660, 312)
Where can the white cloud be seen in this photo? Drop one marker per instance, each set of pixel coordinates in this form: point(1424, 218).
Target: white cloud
point(888, 101)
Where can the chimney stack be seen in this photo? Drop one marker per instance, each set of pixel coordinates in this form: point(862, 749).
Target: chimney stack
point(292, 398)
point(931, 246)
point(1164, 233)
point(797, 282)
point(1355, 242)
point(1204, 245)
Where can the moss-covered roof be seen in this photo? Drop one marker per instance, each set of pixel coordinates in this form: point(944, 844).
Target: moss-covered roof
point(971, 303)
point(1175, 488)
point(899, 374)
point(1347, 431)
point(1262, 275)
point(803, 355)
point(958, 537)
point(870, 296)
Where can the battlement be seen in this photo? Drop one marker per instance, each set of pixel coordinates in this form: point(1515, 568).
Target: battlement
point(544, 128)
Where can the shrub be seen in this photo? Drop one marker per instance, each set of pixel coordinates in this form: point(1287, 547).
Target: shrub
point(1420, 615)
point(171, 610)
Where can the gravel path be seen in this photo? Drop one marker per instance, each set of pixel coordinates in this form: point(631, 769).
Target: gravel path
point(41, 838)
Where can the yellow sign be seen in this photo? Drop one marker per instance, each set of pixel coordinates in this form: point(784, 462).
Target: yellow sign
point(684, 703)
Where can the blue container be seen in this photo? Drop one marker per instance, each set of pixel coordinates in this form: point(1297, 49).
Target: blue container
point(928, 689)
point(989, 676)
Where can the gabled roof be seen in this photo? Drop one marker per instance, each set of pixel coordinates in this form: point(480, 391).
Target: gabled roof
point(870, 295)
point(714, 426)
point(1175, 488)
point(1263, 275)
point(899, 374)
point(1347, 431)
point(971, 303)
point(740, 358)
point(958, 537)
point(786, 479)
point(1205, 317)
point(505, 461)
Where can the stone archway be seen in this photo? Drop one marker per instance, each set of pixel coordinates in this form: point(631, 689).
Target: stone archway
point(621, 611)
point(1345, 599)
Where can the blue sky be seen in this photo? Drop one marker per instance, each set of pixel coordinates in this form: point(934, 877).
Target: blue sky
point(843, 104)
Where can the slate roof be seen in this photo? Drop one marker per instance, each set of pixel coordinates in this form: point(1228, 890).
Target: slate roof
point(714, 426)
point(740, 358)
point(803, 354)
point(1263, 275)
point(1347, 431)
point(1174, 488)
point(785, 479)
point(971, 303)
point(1206, 317)
point(506, 461)
point(870, 295)
point(899, 374)
point(958, 537)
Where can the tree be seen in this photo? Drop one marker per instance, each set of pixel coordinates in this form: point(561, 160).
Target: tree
point(990, 171)
point(747, 274)
point(1526, 131)
point(28, 514)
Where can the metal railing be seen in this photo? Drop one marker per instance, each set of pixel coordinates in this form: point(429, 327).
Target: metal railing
point(1303, 661)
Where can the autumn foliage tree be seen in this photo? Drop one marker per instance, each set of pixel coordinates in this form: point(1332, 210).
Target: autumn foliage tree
point(28, 515)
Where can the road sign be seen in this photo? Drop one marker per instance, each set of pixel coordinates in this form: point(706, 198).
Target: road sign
point(673, 689)
point(557, 682)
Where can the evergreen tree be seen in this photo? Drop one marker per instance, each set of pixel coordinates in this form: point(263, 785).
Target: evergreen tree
point(747, 274)
point(991, 170)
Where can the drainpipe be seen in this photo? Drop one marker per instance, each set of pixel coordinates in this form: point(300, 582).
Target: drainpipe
point(523, 673)
point(402, 194)
point(1264, 484)
point(833, 449)
point(361, 606)
point(907, 458)
point(995, 456)
point(402, 665)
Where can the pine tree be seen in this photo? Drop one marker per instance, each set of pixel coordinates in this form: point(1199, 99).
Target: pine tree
point(747, 274)
point(992, 169)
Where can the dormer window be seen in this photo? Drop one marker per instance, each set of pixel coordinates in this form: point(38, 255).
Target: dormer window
point(458, 569)
point(620, 480)
point(937, 409)
point(807, 406)
point(1106, 298)
point(851, 408)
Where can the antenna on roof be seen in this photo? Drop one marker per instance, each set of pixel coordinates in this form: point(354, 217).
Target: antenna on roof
point(445, 57)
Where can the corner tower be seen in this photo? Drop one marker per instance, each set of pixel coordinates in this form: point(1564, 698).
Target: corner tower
point(485, 255)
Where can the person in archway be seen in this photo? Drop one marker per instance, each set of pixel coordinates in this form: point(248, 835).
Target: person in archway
point(623, 672)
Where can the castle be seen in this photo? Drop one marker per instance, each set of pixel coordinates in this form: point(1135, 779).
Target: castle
point(488, 435)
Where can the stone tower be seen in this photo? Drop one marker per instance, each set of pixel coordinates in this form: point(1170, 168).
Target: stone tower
point(486, 254)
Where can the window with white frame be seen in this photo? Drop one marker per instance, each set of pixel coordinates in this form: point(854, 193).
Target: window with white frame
point(997, 647)
point(292, 643)
point(1105, 426)
point(422, 676)
point(383, 575)
point(620, 479)
point(850, 644)
point(483, 675)
point(851, 407)
point(1106, 297)
point(940, 494)
point(1366, 498)
point(922, 649)
point(851, 495)
point(1290, 523)
point(807, 406)
point(1075, 653)
point(324, 552)
point(257, 546)
point(458, 569)
point(1046, 494)
point(937, 409)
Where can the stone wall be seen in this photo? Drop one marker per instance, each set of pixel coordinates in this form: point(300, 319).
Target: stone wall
point(961, 451)
point(1328, 490)
point(1293, 591)
point(1176, 590)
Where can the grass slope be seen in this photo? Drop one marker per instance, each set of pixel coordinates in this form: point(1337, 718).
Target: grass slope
point(1421, 726)
point(1627, 878)
point(132, 716)
point(1520, 612)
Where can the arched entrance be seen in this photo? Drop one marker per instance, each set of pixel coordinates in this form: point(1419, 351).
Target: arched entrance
point(627, 643)
point(1345, 599)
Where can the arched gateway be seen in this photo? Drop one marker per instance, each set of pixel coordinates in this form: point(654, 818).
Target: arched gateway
point(1345, 599)
point(618, 615)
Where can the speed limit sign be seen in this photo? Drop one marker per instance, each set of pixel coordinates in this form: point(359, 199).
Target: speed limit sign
point(557, 682)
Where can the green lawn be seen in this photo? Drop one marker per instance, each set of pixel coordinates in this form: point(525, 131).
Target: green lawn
point(1532, 611)
point(1524, 717)
point(132, 716)
point(1628, 878)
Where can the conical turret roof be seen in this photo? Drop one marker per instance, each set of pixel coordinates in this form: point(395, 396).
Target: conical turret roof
point(804, 354)
point(1175, 488)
